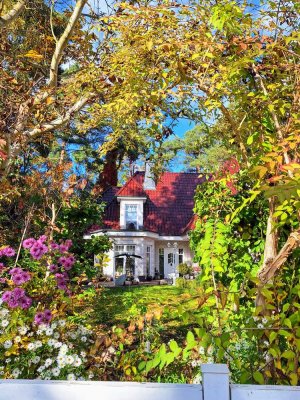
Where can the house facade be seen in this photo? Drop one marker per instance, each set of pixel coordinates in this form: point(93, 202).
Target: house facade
point(150, 220)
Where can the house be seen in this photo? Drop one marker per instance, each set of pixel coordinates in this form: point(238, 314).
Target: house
point(151, 220)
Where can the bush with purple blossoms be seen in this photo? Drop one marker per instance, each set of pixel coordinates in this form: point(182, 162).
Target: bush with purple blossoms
point(35, 292)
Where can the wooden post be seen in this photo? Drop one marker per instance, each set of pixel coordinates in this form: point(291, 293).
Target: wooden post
point(215, 381)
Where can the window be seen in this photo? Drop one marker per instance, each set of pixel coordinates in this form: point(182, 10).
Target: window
point(180, 256)
point(171, 258)
point(161, 262)
point(131, 216)
point(119, 262)
point(148, 255)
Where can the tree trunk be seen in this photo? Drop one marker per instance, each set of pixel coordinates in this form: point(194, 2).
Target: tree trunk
point(109, 175)
point(270, 252)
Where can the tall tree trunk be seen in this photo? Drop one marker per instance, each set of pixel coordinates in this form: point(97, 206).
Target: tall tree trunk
point(109, 175)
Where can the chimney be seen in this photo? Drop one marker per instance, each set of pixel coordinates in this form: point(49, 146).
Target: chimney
point(149, 182)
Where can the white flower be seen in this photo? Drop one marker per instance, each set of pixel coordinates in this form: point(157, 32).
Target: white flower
point(23, 330)
point(264, 321)
point(62, 322)
point(18, 339)
point(38, 344)
point(48, 362)
point(91, 376)
point(194, 363)
point(210, 360)
point(55, 371)
point(197, 379)
point(83, 354)
point(201, 350)
point(41, 368)
point(49, 331)
point(61, 361)
point(71, 377)
point(70, 360)
point(7, 344)
point(16, 372)
point(83, 338)
point(77, 362)
point(73, 335)
point(39, 332)
point(43, 327)
point(51, 342)
point(260, 326)
point(4, 311)
point(57, 345)
point(8, 360)
point(63, 349)
point(4, 323)
point(54, 325)
point(238, 346)
point(1, 372)
point(36, 359)
point(56, 335)
point(30, 346)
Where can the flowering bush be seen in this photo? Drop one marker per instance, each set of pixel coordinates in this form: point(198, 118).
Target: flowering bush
point(35, 291)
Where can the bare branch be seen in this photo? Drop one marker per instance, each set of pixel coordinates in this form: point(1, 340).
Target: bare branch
point(11, 15)
point(270, 268)
point(63, 41)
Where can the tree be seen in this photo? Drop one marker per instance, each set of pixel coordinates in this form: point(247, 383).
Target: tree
point(227, 64)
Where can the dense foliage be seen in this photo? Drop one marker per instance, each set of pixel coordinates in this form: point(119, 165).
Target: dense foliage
point(230, 67)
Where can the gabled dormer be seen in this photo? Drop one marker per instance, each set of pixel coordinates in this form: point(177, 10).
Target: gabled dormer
point(131, 198)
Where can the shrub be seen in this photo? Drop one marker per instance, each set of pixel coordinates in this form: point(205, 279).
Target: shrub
point(184, 269)
point(35, 297)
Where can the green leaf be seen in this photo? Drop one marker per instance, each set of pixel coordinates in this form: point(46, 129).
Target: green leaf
point(273, 336)
point(258, 377)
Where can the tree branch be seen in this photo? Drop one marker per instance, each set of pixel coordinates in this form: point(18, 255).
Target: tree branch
point(269, 269)
point(62, 42)
point(62, 120)
point(11, 15)
point(273, 114)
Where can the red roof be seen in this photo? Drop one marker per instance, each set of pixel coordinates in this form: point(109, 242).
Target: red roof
point(168, 209)
point(132, 188)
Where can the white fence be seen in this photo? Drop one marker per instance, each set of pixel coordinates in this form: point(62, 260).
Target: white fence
point(215, 387)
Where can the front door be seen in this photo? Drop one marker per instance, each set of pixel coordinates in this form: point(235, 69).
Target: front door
point(169, 262)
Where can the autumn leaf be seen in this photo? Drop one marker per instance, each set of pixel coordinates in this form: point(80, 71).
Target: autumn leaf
point(34, 54)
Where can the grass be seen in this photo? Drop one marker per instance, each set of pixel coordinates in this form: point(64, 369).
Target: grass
point(118, 306)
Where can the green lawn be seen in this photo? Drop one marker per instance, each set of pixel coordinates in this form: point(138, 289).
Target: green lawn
point(118, 306)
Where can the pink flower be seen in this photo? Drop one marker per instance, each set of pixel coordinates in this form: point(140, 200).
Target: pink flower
point(38, 250)
point(43, 317)
point(28, 243)
point(53, 268)
point(42, 239)
point(6, 296)
point(67, 262)
point(54, 246)
point(15, 270)
point(8, 252)
point(2, 267)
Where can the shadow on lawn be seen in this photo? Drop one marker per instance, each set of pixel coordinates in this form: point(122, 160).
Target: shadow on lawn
point(116, 306)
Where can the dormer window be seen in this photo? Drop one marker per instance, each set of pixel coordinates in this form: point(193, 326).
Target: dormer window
point(131, 216)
